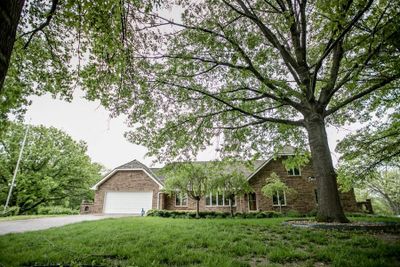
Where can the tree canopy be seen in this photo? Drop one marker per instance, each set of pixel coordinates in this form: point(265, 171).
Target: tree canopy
point(371, 148)
point(54, 169)
point(229, 179)
point(189, 178)
point(274, 186)
point(231, 68)
point(45, 45)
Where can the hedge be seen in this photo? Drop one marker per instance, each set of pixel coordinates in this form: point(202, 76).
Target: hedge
point(55, 210)
point(211, 214)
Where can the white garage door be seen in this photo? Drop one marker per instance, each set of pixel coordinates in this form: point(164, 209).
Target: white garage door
point(127, 202)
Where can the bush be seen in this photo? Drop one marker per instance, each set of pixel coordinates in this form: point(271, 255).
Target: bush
point(211, 214)
point(56, 210)
point(10, 211)
point(293, 213)
point(312, 213)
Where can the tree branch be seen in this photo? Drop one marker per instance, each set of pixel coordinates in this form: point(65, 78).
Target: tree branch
point(361, 94)
point(359, 67)
point(233, 107)
point(43, 25)
point(266, 119)
point(286, 56)
point(332, 44)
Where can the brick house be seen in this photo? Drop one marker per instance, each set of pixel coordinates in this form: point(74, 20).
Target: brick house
point(133, 186)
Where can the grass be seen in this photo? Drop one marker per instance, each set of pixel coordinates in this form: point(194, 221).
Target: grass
point(141, 241)
point(27, 217)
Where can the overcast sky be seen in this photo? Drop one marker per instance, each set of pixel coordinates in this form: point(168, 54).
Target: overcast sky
point(90, 122)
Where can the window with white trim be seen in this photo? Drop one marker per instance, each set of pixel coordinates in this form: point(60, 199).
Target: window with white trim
point(279, 198)
point(294, 171)
point(181, 199)
point(218, 200)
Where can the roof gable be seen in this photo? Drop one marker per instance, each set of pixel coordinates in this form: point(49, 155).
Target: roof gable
point(287, 151)
point(133, 165)
point(153, 173)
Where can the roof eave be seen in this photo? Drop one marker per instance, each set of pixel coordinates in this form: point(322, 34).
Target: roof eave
point(151, 175)
point(265, 163)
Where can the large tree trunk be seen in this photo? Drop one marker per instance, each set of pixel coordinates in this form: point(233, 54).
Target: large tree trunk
point(329, 206)
point(10, 12)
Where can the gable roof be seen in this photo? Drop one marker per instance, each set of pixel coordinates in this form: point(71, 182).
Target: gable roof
point(159, 179)
point(286, 151)
point(133, 165)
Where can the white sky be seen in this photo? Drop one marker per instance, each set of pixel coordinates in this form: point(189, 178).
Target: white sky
point(90, 122)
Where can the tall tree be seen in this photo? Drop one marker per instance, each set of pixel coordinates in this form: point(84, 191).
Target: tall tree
point(10, 12)
point(253, 74)
point(54, 168)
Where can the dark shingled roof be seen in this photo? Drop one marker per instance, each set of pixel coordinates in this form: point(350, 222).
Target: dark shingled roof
point(243, 166)
point(246, 169)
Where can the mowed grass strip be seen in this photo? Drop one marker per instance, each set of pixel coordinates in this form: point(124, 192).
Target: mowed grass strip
point(138, 241)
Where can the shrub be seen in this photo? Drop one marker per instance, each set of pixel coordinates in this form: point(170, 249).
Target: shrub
point(293, 213)
point(10, 211)
point(211, 214)
point(312, 213)
point(56, 210)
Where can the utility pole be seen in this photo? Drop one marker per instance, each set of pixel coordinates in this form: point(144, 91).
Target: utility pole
point(16, 170)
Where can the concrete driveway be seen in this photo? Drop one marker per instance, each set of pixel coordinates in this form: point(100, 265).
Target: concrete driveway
point(19, 226)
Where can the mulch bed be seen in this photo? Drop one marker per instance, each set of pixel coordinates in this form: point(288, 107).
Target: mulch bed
point(392, 227)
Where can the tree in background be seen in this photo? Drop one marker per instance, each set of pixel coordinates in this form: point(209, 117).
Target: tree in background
point(386, 185)
point(370, 158)
point(274, 187)
point(54, 170)
point(371, 148)
point(254, 74)
point(381, 185)
point(230, 180)
point(188, 178)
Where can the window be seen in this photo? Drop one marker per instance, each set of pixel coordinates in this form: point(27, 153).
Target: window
point(180, 199)
point(316, 195)
point(279, 198)
point(218, 200)
point(294, 172)
point(252, 201)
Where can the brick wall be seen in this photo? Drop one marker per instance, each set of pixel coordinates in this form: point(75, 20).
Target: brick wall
point(126, 181)
point(170, 205)
point(304, 200)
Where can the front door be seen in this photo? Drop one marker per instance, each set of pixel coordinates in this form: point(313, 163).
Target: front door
point(252, 201)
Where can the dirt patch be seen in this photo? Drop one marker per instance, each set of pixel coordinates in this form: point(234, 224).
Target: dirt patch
point(388, 227)
point(387, 237)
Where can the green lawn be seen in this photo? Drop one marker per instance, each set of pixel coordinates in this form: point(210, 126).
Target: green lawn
point(141, 241)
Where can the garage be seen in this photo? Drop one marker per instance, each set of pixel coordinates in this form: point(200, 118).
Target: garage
point(127, 202)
